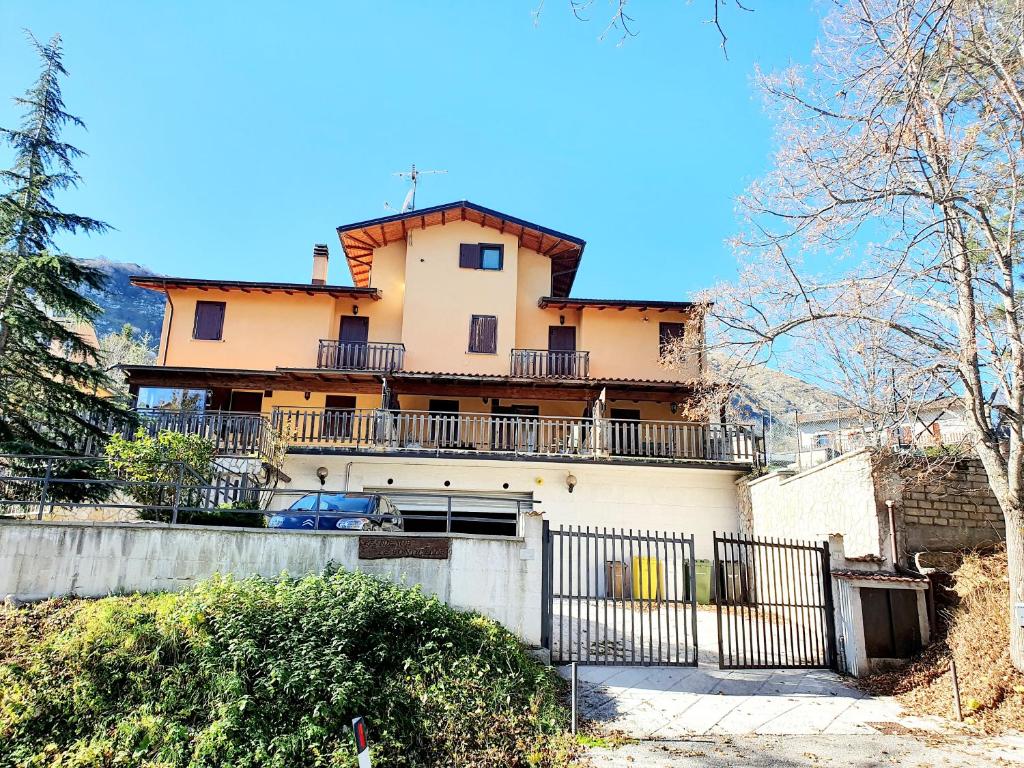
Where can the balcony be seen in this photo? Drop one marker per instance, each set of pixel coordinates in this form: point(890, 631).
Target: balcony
point(378, 357)
point(550, 364)
point(232, 433)
point(522, 436)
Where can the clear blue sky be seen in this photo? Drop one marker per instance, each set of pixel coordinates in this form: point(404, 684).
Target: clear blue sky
point(226, 138)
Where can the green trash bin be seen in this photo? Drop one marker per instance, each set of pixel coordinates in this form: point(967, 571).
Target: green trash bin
point(703, 570)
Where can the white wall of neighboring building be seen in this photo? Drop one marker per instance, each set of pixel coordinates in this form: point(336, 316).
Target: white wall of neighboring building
point(833, 498)
point(664, 498)
point(823, 440)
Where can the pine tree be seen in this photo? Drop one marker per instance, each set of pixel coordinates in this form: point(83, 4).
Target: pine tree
point(51, 379)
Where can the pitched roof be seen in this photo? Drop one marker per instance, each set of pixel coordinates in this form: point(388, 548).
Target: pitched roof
point(359, 240)
point(557, 302)
point(160, 283)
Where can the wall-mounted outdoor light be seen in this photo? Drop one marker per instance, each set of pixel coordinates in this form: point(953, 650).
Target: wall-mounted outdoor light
point(570, 481)
point(674, 407)
point(561, 319)
point(306, 395)
point(321, 473)
point(355, 309)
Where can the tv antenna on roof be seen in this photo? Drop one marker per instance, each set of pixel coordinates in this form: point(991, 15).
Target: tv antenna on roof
point(413, 175)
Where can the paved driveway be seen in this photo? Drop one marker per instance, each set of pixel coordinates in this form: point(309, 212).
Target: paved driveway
point(669, 702)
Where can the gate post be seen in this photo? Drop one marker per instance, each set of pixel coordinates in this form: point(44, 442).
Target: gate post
point(546, 598)
point(830, 610)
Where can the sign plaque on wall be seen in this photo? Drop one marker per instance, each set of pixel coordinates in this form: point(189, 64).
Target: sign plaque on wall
point(389, 547)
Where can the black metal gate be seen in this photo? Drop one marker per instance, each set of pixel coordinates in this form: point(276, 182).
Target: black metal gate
point(774, 602)
point(616, 596)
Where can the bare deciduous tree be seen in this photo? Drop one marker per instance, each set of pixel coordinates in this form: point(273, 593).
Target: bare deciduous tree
point(622, 23)
point(892, 215)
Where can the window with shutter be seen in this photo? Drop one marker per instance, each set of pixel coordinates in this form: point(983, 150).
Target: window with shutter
point(469, 256)
point(209, 321)
point(668, 334)
point(483, 334)
point(489, 256)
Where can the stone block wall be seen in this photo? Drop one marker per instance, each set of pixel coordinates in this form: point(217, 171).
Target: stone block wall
point(936, 505)
point(946, 507)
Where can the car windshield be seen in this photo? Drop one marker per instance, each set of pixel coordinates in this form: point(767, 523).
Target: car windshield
point(334, 502)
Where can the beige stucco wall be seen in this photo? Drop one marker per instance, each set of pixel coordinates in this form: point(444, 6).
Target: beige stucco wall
point(677, 499)
point(388, 277)
point(440, 299)
point(625, 345)
point(427, 301)
point(833, 498)
point(261, 330)
point(532, 322)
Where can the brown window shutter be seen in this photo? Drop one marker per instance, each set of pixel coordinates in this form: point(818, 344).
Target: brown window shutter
point(669, 333)
point(490, 334)
point(483, 334)
point(209, 320)
point(469, 256)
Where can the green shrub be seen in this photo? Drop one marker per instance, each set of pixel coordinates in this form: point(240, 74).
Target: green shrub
point(269, 673)
point(145, 458)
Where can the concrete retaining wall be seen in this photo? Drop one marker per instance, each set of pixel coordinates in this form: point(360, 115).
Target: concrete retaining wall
point(499, 577)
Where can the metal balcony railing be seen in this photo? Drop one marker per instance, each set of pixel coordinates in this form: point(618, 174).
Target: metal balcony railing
point(360, 356)
point(232, 433)
point(550, 364)
point(526, 436)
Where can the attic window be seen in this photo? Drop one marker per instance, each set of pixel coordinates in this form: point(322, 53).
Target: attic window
point(489, 256)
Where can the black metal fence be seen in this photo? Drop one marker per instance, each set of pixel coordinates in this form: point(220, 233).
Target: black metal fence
point(56, 487)
point(360, 356)
point(774, 603)
point(549, 364)
point(622, 597)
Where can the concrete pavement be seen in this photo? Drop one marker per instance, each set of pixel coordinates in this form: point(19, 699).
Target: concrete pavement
point(673, 702)
point(856, 751)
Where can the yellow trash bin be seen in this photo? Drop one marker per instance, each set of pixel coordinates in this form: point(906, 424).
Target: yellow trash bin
point(648, 576)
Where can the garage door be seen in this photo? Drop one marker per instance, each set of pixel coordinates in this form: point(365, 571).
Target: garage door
point(486, 514)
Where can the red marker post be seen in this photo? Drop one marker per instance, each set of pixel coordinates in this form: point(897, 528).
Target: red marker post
point(362, 744)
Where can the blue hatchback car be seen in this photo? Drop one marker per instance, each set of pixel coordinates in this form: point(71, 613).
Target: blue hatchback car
point(340, 512)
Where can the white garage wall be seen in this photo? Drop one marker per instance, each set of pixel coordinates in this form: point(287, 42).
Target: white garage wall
point(663, 498)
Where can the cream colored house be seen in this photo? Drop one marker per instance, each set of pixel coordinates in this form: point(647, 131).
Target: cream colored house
point(456, 361)
point(824, 435)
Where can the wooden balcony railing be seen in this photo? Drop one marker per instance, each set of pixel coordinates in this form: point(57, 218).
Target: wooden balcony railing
point(360, 356)
point(550, 364)
point(519, 435)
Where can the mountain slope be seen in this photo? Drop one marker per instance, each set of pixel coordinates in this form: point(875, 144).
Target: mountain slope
point(124, 303)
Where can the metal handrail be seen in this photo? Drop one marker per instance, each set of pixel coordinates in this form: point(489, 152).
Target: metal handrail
point(549, 364)
point(568, 436)
point(185, 495)
point(339, 355)
point(233, 433)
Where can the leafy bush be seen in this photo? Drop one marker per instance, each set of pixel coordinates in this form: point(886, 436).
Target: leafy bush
point(145, 458)
point(269, 673)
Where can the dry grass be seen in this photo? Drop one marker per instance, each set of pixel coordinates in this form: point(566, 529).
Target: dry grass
point(991, 690)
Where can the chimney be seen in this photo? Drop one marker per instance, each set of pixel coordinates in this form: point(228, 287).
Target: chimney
point(320, 257)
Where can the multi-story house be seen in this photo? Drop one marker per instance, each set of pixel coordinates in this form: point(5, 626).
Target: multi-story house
point(824, 435)
point(457, 361)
